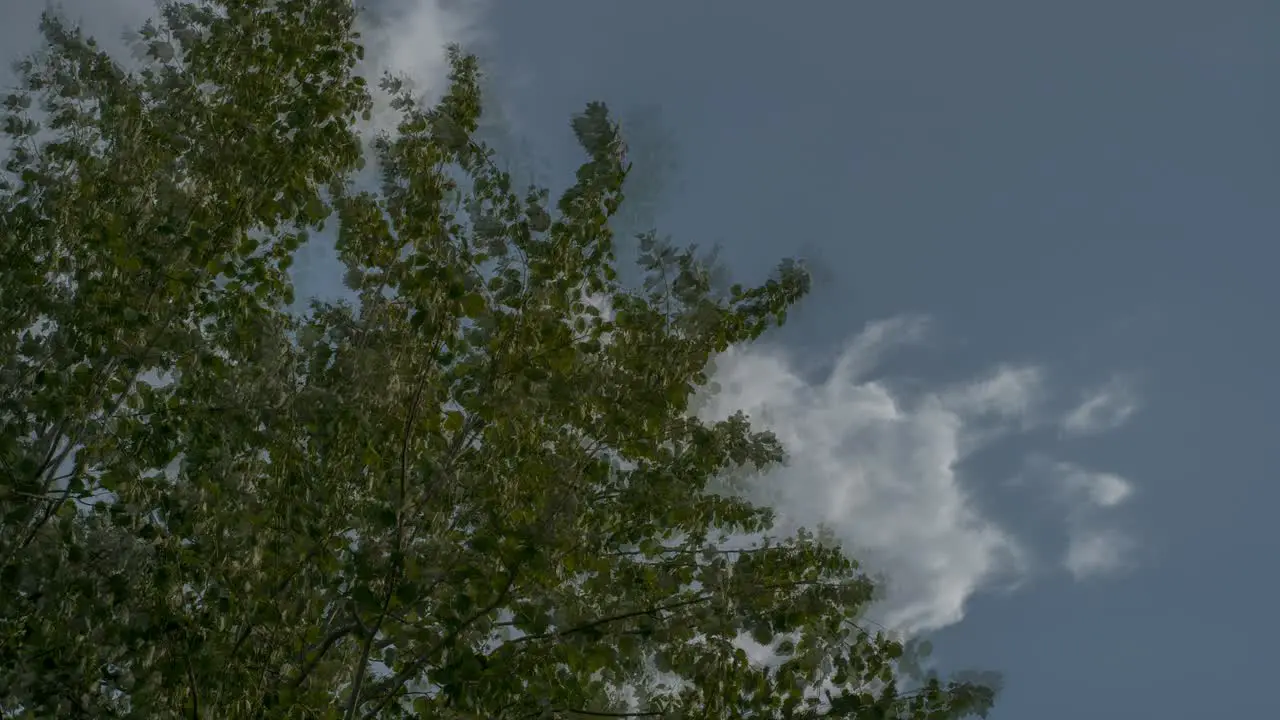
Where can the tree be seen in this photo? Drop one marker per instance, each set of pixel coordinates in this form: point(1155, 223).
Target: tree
point(470, 494)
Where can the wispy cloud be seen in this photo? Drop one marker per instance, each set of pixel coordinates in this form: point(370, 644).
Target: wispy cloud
point(882, 466)
point(1095, 547)
point(1095, 553)
point(1102, 409)
point(1100, 489)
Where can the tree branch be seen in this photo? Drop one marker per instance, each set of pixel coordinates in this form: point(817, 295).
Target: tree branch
point(195, 693)
point(418, 664)
point(370, 634)
point(329, 641)
point(594, 713)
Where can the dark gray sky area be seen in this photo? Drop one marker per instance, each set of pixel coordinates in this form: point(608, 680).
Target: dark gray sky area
point(1036, 384)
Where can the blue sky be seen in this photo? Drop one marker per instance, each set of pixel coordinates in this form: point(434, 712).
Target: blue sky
point(1035, 385)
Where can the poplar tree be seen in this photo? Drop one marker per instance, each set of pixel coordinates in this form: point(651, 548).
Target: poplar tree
point(474, 491)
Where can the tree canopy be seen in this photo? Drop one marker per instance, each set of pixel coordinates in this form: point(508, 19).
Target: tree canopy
point(476, 491)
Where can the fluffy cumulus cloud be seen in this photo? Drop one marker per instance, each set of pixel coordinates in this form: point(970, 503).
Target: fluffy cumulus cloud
point(1101, 409)
point(883, 467)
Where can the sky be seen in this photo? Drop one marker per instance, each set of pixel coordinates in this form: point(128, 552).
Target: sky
point(1034, 385)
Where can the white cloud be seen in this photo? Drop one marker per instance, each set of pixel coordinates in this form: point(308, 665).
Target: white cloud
point(1105, 489)
point(408, 38)
point(1009, 392)
point(864, 351)
point(1094, 547)
point(1099, 489)
point(1094, 553)
point(1007, 400)
point(1102, 409)
point(880, 468)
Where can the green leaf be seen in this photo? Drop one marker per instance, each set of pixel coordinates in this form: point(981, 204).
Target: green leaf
point(473, 305)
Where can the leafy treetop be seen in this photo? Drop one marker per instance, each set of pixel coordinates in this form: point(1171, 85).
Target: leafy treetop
point(469, 494)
